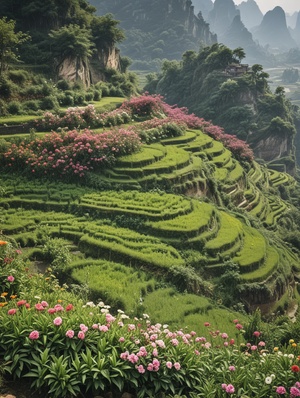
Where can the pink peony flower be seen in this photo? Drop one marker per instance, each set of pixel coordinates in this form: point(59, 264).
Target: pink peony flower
point(294, 392)
point(12, 311)
point(10, 278)
point(70, 333)
point(121, 339)
point(230, 389)
point(239, 326)
point(177, 365)
point(231, 368)
point(34, 335)
point(256, 334)
point(280, 390)
point(57, 321)
point(69, 307)
point(169, 365)
point(81, 335)
point(39, 307)
point(141, 369)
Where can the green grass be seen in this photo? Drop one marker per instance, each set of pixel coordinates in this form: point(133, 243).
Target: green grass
point(180, 311)
point(120, 285)
point(253, 250)
point(229, 233)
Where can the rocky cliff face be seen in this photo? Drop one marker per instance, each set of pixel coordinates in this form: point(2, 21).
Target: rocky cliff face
point(158, 29)
point(273, 31)
point(88, 71)
point(296, 32)
point(250, 14)
point(203, 6)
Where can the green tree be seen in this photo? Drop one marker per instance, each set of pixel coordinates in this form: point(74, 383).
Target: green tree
point(239, 53)
point(106, 32)
point(9, 42)
point(71, 41)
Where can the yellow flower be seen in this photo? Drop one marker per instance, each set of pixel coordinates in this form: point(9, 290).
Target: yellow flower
point(294, 345)
point(59, 301)
point(3, 304)
point(276, 349)
point(292, 341)
point(13, 296)
point(4, 294)
point(3, 243)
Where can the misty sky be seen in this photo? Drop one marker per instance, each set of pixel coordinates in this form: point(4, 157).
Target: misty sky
point(266, 5)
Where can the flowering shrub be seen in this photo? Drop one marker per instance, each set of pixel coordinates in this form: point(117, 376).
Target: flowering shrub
point(69, 349)
point(71, 153)
point(82, 117)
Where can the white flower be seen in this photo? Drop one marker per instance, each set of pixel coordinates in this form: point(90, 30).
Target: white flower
point(273, 376)
point(268, 380)
point(291, 356)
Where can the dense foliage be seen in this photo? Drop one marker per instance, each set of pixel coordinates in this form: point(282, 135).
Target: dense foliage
point(241, 103)
point(66, 347)
point(165, 33)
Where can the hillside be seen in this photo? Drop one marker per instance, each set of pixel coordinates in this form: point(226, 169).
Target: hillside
point(216, 85)
point(187, 207)
point(157, 30)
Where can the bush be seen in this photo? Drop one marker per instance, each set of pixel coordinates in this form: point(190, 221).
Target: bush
point(63, 85)
point(31, 105)
point(18, 76)
point(49, 102)
point(14, 107)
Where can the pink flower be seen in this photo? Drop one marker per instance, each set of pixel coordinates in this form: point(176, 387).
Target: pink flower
point(34, 335)
point(224, 336)
point(256, 334)
point(39, 307)
point(239, 326)
point(10, 278)
point(224, 386)
point(44, 304)
point(280, 390)
point(169, 365)
point(230, 389)
point(231, 368)
point(69, 307)
point(177, 365)
point(132, 358)
point(51, 310)
point(261, 344)
point(141, 369)
point(121, 339)
point(83, 328)
point(294, 392)
point(81, 335)
point(206, 324)
point(253, 347)
point(124, 355)
point(58, 307)
point(103, 328)
point(12, 311)
point(57, 321)
point(70, 333)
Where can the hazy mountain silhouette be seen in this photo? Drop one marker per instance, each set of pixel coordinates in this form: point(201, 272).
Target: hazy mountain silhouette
point(250, 14)
point(239, 36)
point(221, 16)
point(296, 32)
point(273, 31)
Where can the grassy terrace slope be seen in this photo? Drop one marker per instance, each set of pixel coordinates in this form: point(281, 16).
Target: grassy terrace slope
point(160, 212)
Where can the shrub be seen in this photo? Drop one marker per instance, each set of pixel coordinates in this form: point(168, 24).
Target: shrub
point(14, 107)
point(63, 85)
point(49, 102)
point(19, 77)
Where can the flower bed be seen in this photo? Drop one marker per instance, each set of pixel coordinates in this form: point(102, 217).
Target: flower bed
point(69, 349)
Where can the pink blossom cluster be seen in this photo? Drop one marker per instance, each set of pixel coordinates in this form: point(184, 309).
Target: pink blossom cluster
point(71, 153)
point(144, 105)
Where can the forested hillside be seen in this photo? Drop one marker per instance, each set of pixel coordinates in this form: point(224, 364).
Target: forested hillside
point(157, 30)
point(216, 85)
